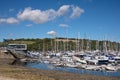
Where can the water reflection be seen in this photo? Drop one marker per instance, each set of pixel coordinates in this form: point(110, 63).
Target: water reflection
point(72, 70)
point(18, 62)
point(67, 69)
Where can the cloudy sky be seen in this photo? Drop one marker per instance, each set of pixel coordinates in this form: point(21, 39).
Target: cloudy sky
point(93, 19)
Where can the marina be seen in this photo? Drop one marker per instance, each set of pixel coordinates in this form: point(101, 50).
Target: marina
point(95, 63)
point(19, 71)
point(60, 40)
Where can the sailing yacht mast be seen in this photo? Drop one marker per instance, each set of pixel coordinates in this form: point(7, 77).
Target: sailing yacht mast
point(77, 44)
point(43, 47)
point(82, 46)
point(55, 47)
point(105, 45)
point(89, 44)
point(66, 40)
point(97, 45)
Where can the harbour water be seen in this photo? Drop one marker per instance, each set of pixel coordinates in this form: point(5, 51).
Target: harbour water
point(73, 70)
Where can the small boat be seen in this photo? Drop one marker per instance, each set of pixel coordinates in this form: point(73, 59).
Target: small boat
point(79, 60)
point(110, 68)
point(92, 67)
point(70, 65)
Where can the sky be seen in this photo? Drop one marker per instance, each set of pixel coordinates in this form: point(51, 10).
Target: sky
point(91, 19)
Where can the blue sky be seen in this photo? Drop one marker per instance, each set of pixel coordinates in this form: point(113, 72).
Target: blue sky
point(93, 19)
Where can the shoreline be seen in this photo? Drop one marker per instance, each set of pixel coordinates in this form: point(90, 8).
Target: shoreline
point(17, 72)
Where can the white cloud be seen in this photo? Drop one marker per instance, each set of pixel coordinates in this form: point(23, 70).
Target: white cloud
point(77, 11)
point(63, 25)
point(36, 16)
point(10, 20)
point(63, 10)
point(2, 20)
point(53, 33)
point(42, 16)
point(39, 16)
point(29, 25)
point(52, 14)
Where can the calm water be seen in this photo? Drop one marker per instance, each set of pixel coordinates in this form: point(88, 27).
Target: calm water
point(73, 70)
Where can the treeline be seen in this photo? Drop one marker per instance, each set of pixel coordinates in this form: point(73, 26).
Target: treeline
point(63, 44)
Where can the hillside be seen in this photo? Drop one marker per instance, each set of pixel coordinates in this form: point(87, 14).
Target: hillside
point(49, 44)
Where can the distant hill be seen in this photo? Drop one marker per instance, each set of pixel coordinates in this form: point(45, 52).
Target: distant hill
point(48, 44)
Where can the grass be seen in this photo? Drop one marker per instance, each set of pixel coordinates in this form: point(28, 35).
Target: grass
point(23, 42)
point(22, 73)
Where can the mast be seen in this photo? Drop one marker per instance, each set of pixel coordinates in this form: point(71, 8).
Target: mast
point(66, 40)
point(89, 44)
point(97, 45)
point(64, 46)
point(104, 45)
point(77, 44)
point(51, 45)
point(43, 46)
point(82, 46)
point(55, 47)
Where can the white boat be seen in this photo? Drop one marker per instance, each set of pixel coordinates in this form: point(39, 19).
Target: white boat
point(92, 62)
point(110, 68)
point(70, 65)
point(92, 67)
point(79, 60)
